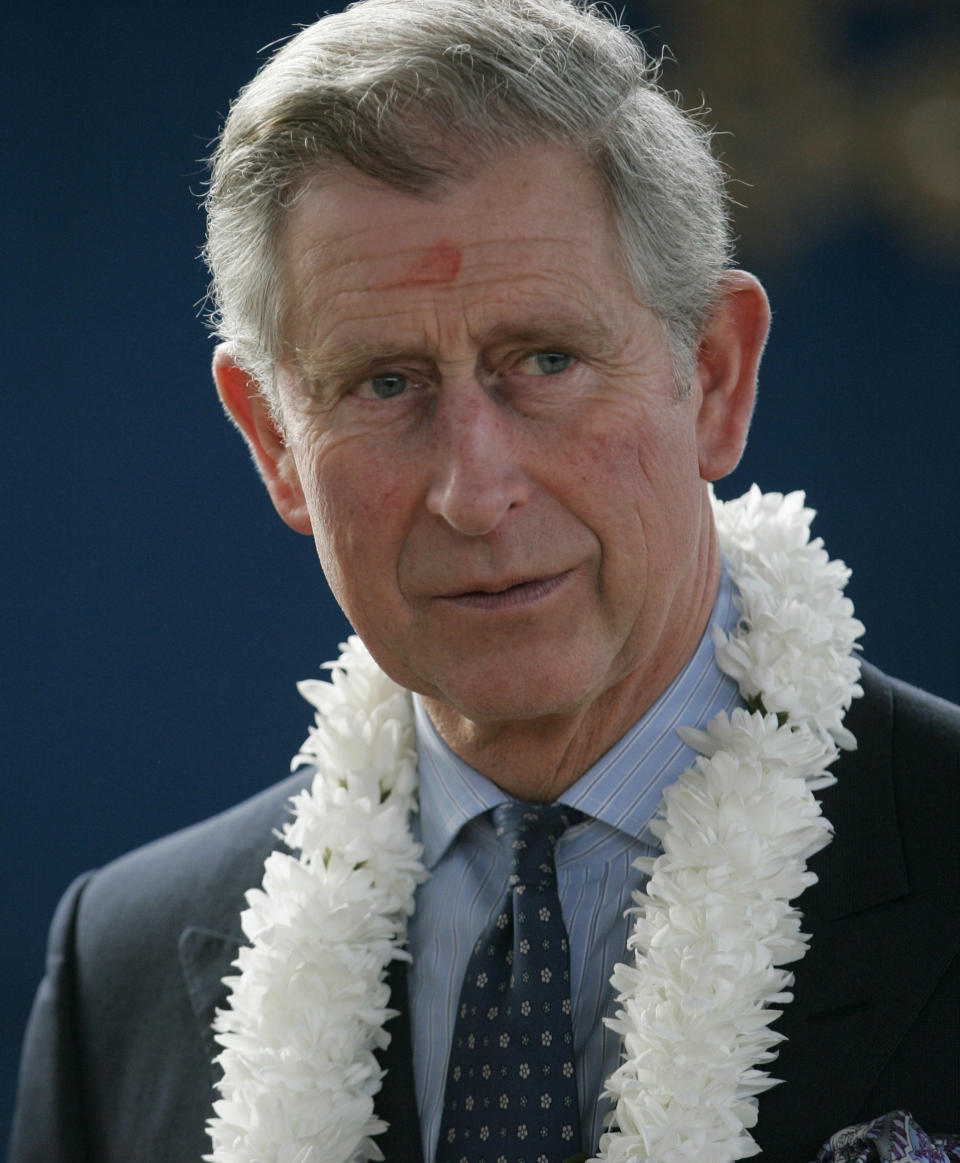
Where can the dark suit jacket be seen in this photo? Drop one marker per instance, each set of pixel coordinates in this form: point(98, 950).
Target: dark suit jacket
point(117, 1064)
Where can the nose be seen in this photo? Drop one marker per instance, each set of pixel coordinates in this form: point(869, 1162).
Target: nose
point(477, 477)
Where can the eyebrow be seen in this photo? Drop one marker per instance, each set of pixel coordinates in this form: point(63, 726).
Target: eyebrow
point(559, 330)
point(340, 362)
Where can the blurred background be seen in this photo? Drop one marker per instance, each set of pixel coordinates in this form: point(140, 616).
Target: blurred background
point(156, 612)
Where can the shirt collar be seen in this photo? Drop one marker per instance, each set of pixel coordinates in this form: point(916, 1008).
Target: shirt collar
point(624, 786)
point(452, 793)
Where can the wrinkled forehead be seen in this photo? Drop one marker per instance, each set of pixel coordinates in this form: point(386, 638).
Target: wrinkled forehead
point(537, 209)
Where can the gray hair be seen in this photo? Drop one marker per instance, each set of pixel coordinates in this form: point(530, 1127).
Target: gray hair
point(419, 94)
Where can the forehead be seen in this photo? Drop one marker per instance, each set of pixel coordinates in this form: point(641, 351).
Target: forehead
point(533, 227)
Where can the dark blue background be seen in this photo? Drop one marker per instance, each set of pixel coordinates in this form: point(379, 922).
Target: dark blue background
point(157, 613)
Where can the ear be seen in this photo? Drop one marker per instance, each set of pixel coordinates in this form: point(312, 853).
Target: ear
point(247, 406)
point(727, 362)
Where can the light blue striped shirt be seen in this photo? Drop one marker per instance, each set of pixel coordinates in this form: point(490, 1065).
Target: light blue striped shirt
point(595, 877)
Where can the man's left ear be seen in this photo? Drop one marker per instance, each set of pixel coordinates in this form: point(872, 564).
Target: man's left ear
point(727, 362)
point(245, 403)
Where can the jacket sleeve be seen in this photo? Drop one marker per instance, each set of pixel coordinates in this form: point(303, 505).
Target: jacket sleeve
point(48, 1118)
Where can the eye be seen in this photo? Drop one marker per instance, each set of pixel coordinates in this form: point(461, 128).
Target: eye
point(384, 387)
point(546, 363)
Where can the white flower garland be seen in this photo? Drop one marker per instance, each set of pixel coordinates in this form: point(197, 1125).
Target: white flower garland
point(713, 929)
point(715, 923)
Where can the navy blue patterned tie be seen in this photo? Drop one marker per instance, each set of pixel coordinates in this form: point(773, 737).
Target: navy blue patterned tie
point(511, 1093)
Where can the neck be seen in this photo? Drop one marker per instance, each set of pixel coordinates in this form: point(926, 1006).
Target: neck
point(537, 759)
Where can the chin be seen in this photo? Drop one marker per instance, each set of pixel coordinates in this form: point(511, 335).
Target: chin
point(506, 693)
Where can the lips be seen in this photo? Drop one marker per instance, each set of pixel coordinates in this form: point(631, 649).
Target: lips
point(509, 595)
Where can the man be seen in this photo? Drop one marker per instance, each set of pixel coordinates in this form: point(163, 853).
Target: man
point(480, 332)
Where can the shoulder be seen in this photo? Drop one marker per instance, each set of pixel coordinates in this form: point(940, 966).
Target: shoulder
point(135, 965)
point(194, 877)
point(910, 699)
point(908, 747)
point(908, 723)
point(896, 804)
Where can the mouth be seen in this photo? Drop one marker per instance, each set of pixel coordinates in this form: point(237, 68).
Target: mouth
point(512, 596)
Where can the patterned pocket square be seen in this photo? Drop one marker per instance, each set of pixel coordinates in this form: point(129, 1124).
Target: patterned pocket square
point(892, 1138)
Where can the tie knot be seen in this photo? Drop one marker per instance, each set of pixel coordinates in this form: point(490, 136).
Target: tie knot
point(531, 832)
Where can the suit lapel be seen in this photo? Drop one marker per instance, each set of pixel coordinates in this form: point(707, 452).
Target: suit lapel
point(207, 951)
point(397, 1101)
point(205, 958)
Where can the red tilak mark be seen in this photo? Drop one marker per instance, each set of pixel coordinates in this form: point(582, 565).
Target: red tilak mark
point(441, 264)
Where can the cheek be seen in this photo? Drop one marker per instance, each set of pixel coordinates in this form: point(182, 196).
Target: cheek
point(605, 465)
point(359, 510)
point(667, 457)
point(633, 484)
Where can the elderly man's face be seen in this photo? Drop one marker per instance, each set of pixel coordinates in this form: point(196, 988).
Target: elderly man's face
point(482, 433)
